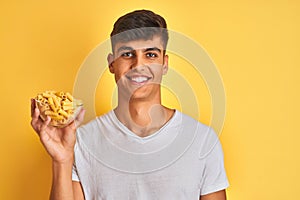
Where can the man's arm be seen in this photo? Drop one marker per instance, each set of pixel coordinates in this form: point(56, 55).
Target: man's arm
point(62, 187)
point(220, 195)
point(59, 143)
point(77, 191)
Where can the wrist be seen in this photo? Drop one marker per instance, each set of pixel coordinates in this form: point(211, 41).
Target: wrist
point(62, 179)
point(60, 169)
point(66, 161)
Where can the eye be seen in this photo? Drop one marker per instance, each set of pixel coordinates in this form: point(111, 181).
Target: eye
point(127, 54)
point(151, 55)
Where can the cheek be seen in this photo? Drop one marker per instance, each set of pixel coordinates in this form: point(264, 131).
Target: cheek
point(119, 70)
point(157, 69)
point(120, 75)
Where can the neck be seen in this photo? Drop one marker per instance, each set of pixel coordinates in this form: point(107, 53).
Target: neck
point(143, 117)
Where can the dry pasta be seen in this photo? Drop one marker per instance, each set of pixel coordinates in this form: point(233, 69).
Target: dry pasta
point(62, 107)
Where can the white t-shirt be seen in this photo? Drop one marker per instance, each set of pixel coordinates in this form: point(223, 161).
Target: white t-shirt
point(182, 160)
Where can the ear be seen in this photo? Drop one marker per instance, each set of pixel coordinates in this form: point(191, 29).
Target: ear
point(110, 60)
point(166, 64)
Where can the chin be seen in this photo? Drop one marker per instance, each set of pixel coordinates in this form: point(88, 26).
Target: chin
point(140, 96)
point(145, 93)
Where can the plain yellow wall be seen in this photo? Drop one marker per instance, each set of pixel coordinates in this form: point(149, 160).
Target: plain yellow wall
point(255, 45)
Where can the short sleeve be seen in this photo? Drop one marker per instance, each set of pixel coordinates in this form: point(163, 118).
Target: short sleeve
point(214, 176)
point(74, 174)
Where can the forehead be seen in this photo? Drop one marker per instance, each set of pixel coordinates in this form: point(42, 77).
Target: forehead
point(156, 41)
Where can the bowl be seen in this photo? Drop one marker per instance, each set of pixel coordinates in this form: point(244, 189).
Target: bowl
point(61, 107)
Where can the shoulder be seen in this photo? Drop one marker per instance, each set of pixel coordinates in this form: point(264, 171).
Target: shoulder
point(91, 134)
point(95, 125)
point(190, 123)
point(205, 139)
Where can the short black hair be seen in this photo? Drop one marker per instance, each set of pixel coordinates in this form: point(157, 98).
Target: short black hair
point(139, 24)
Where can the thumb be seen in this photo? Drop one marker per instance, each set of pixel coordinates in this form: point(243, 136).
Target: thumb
point(79, 118)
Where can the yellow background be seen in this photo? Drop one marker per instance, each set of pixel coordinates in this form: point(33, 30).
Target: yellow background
point(255, 45)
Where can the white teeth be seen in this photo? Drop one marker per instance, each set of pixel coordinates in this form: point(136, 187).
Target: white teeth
point(139, 79)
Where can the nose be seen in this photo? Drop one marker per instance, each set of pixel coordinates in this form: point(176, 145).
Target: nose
point(138, 62)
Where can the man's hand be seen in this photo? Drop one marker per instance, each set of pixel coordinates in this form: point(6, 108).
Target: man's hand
point(59, 142)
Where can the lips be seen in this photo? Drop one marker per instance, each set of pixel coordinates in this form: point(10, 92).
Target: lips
point(138, 79)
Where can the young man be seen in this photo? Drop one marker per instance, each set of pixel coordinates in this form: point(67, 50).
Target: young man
point(141, 149)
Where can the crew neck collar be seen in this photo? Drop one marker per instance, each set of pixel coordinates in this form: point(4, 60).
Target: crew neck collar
point(128, 132)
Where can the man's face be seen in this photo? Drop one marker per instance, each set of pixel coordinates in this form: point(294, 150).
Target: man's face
point(138, 67)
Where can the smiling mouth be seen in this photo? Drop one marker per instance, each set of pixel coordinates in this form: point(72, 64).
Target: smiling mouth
point(138, 79)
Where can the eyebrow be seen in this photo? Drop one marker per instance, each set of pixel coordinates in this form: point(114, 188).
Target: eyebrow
point(124, 48)
point(127, 48)
point(152, 49)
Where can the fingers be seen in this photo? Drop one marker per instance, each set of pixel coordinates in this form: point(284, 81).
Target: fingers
point(40, 125)
point(32, 106)
point(35, 113)
point(46, 123)
point(79, 118)
point(42, 132)
point(36, 122)
point(76, 123)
